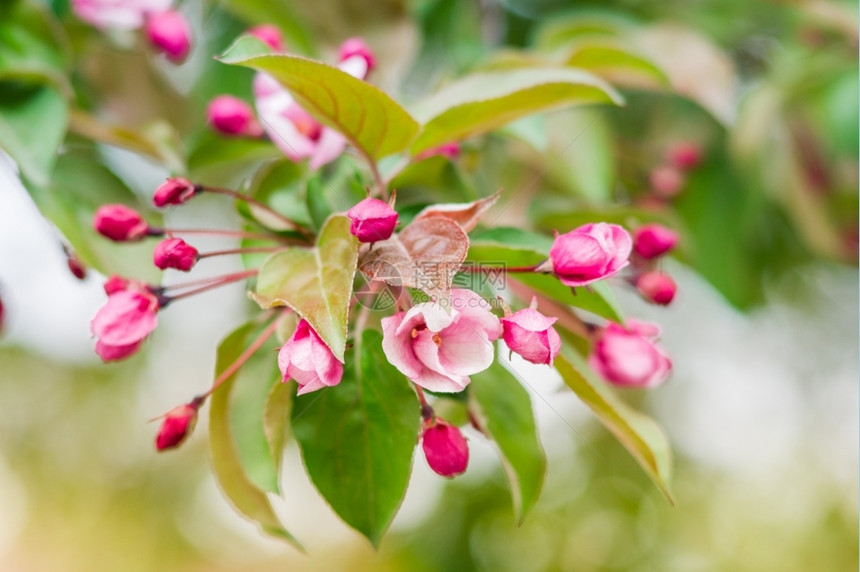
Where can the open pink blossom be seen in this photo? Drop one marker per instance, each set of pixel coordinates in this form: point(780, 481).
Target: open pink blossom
point(653, 240)
point(118, 14)
point(372, 220)
point(231, 116)
point(169, 33)
point(120, 223)
point(294, 131)
point(308, 360)
point(656, 287)
point(438, 350)
point(123, 322)
point(174, 191)
point(445, 448)
point(530, 334)
point(628, 357)
point(589, 253)
point(175, 253)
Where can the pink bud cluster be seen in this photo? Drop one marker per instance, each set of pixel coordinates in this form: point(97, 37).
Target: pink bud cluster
point(668, 178)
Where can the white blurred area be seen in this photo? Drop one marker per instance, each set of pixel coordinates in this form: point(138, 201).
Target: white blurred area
point(768, 397)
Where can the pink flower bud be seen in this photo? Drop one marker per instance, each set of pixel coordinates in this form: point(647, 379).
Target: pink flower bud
point(120, 223)
point(627, 357)
point(308, 360)
point(123, 322)
point(653, 240)
point(439, 350)
point(685, 155)
point(666, 180)
point(174, 191)
point(177, 426)
point(449, 150)
point(357, 47)
point(445, 448)
point(589, 253)
point(530, 334)
point(657, 287)
point(115, 284)
point(169, 33)
point(231, 116)
point(269, 34)
point(76, 267)
point(175, 253)
point(372, 220)
point(2, 315)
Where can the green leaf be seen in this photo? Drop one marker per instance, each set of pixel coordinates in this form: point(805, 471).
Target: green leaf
point(315, 282)
point(281, 13)
point(505, 413)
point(616, 63)
point(514, 247)
point(318, 206)
point(248, 499)
point(483, 102)
point(372, 121)
point(276, 417)
point(32, 126)
point(642, 437)
point(357, 439)
point(33, 45)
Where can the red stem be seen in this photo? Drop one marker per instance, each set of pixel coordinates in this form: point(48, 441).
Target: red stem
point(239, 251)
point(216, 232)
point(230, 278)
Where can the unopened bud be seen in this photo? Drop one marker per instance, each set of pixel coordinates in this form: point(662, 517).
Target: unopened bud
point(653, 240)
point(120, 223)
point(269, 34)
point(115, 284)
point(174, 191)
point(169, 33)
point(175, 253)
point(357, 47)
point(372, 220)
point(76, 267)
point(685, 155)
point(666, 181)
point(231, 116)
point(657, 287)
point(445, 448)
point(177, 425)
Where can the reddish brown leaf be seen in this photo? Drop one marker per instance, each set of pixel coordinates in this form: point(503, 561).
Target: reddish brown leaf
point(464, 214)
point(425, 255)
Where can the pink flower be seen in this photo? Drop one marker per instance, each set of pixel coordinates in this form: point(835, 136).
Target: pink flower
point(169, 33)
point(123, 322)
point(308, 360)
point(295, 132)
point(117, 14)
point(231, 116)
point(628, 357)
point(2, 315)
point(589, 253)
point(437, 350)
point(175, 253)
point(685, 155)
point(445, 448)
point(269, 34)
point(530, 334)
point(174, 191)
point(177, 425)
point(666, 180)
point(653, 240)
point(656, 287)
point(372, 220)
point(120, 223)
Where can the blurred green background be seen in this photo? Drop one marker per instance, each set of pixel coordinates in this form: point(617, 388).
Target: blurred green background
point(762, 409)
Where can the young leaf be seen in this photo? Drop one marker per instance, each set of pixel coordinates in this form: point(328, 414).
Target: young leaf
point(637, 432)
point(318, 205)
point(482, 102)
point(32, 126)
point(424, 255)
point(466, 215)
point(372, 121)
point(248, 499)
point(357, 439)
point(276, 417)
point(514, 247)
point(315, 282)
point(616, 63)
point(505, 414)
